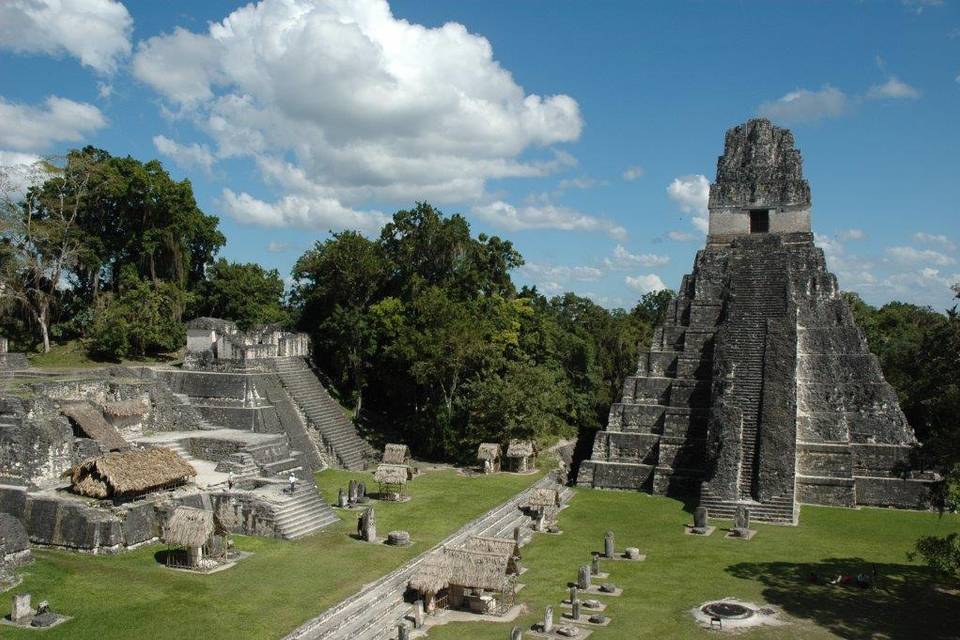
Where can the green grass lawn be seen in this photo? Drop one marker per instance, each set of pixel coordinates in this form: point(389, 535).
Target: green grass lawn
point(682, 572)
point(265, 596)
point(73, 355)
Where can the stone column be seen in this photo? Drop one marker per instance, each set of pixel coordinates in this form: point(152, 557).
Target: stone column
point(548, 620)
point(361, 490)
point(516, 535)
point(403, 632)
point(576, 610)
point(352, 491)
point(595, 565)
point(342, 498)
point(583, 578)
point(573, 594)
point(608, 545)
point(516, 634)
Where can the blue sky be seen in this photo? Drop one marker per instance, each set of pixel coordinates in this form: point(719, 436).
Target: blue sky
point(583, 131)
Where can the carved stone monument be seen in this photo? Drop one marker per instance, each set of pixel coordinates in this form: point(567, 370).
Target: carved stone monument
point(352, 491)
point(700, 519)
point(516, 634)
point(595, 565)
point(368, 525)
point(575, 610)
point(20, 610)
point(547, 625)
point(342, 499)
point(418, 614)
point(403, 631)
point(583, 578)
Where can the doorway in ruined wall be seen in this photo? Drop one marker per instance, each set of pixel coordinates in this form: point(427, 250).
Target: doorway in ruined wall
point(760, 221)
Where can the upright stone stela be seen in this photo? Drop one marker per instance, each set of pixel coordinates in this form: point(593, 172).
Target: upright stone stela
point(758, 389)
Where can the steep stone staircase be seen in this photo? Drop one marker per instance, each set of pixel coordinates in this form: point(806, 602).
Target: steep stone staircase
point(338, 433)
point(758, 293)
point(302, 513)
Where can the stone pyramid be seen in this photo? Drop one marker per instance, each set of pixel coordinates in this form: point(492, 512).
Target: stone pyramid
point(759, 388)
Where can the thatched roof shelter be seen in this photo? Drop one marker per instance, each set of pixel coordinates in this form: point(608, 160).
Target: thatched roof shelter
point(90, 420)
point(132, 472)
point(544, 498)
point(396, 454)
point(188, 527)
point(125, 408)
point(462, 567)
point(477, 570)
point(488, 451)
point(500, 546)
point(391, 474)
point(520, 449)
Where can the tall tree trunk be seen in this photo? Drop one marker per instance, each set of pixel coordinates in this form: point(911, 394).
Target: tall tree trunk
point(44, 331)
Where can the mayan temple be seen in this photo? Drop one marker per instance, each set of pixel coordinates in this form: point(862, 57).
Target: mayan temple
point(759, 389)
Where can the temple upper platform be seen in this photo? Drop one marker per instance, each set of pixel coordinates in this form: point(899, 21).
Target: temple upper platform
point(760, 186)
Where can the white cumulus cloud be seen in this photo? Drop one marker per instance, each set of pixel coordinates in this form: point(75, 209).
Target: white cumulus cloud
point(357, 104)
point(892, 89)
point(326, 214)
point(646, 283)
point(938, 239)
point(96, 32)
point(912, 255)
point(692, 194)
point(624, 260)
point(34, 128)
point(632, 173)
point(554, 272)
point(680, 236)
point(804, 105)
point(191, 156)
point(545, 216)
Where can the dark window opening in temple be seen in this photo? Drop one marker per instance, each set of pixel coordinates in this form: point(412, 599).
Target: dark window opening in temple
point(760, 221)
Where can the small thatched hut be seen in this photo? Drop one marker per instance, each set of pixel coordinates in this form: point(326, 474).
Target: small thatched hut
point(541, 499)
point(130, 473)
point(521, 456)
point(392, 479)
point(125, 413)
point(396, 454)
point(479, 581)
point(90, 422)
point(190, 528)
point(488, 454)
point(462, 578)
point(506, 547)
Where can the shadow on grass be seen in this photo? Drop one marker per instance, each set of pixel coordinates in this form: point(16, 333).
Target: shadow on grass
point(903, 604)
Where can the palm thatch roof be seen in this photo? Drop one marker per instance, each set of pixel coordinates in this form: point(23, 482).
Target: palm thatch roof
point(90, 420)
point(396, 454)
point(462, 567)
point(477, 570)
point(431, 575)
point(391, 474)
point(188, 527)
point(488, 451)
point(519, 449)
point(541, 498)
point(499, 546)
point(125, 408)
point(130, 472)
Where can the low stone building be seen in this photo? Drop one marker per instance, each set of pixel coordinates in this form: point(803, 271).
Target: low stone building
point(218, 339)
point(488, 455)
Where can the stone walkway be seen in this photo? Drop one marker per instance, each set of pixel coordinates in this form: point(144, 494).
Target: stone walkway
point(374, 611)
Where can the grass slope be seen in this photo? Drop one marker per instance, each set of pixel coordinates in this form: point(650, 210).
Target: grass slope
point(280, 587)
point(682, 572)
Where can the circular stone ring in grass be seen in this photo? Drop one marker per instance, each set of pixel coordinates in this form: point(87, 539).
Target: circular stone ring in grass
point(730, 614)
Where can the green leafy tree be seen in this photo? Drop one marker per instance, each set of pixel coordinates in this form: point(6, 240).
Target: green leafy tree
point(140, 319)
point(942, 554)
point(244, 292)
